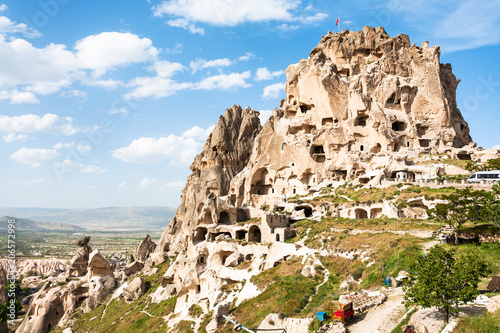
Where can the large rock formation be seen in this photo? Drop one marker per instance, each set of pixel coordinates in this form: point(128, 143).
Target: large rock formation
point(79, 263)
point(360, 106)
point(224, 155)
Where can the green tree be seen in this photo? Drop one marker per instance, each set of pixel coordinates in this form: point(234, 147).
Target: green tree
point(443, 280)
point(492, 164)
point(460, 207)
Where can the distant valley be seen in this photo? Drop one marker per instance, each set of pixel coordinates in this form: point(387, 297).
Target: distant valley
point(106, 218)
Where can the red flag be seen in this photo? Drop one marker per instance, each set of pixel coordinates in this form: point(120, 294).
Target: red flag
point(338, 19)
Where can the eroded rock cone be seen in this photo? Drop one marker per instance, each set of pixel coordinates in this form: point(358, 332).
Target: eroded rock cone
point(145, 248)
point(79, 262)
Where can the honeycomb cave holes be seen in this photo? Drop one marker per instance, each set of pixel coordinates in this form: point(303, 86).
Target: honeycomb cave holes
point(199, 235)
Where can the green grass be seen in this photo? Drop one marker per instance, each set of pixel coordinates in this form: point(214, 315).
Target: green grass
point(485, 323)
point(123, 317)
point(402, 324)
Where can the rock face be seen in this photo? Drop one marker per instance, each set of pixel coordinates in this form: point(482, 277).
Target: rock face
point(98, 266)
point(146, 247)
point(224, 155)
point(359, 107)
point(79, 263)
point(493, 304)
point(362, 108)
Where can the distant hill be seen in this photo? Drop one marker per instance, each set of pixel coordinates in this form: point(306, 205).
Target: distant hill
point(29, 225)
point(107, 218)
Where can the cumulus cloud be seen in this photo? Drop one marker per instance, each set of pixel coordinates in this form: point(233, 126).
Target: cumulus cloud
point(147, 150)
point(109, 50)
point(11, 137)
point(3, 7)
point(225, 81)
point(198, 132)
point(186, 25)
point(273, 90)
point(30, 123)
point(227, 13)
point(202, 64)
point(264, 74)
point(155, 87)
point(9, 27)
point(177, 149)
point(33, 156)
point(187, 13)
point(246, 57)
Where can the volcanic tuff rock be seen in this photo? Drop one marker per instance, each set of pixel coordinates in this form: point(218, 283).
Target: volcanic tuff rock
point(358, 107)
point(144, 249)
point(224, 155)
point(79, 263)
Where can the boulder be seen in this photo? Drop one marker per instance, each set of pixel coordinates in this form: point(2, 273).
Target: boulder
point(493, 304)
point(99, 287)
point(132, 268)
point(82, 241)
point(135, 289)
point(143, 250)
point(98, 266)
point(130, 258)
point(494, 284)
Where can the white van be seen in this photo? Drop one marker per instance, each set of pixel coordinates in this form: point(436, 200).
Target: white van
point(487, 176)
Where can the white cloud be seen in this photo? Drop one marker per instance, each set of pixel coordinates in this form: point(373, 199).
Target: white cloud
point(68, 164)
point(155, 87)
point(147, 150)
point(3, 7)
point(496, 147)
point(274, 90)
point(11, 137)
point(456, 25)
point(30, 123)
point(149, 182)
point(109, 83)
point(247, 56)
point(186, 13)
point(225, 81)
point(178, 149)
point(17, 97)
point(264, 74)
point(61, 145)
point(122, 111)
point(83, 148)
point(346, 22)
point(109, 50)
point(33, 156)
point(313, 19)
point(186, 25)
point(228, 13)
point(264, 115)
point(176, 49)
point(288, 27)
point(166, 68)
point(9, 27)
point(198, 132)
point(202, 64)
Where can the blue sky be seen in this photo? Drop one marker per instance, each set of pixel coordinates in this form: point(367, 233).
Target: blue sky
point(105, 103)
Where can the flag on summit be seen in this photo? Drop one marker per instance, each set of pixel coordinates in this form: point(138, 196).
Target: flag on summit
point(338, 20)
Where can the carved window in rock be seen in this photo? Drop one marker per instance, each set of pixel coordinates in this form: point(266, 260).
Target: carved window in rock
point(305, 107)
point(361, 121)
point(254, 234)
point(398, 126)
point(318, 153)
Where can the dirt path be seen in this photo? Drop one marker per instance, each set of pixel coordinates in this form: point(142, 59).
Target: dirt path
point(380, 319)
